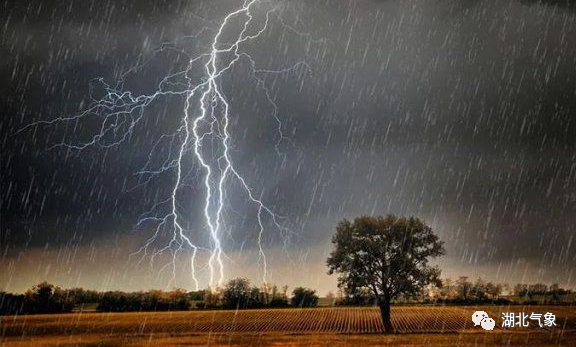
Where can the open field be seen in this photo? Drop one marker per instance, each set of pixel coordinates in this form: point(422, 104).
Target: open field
point(417, 325)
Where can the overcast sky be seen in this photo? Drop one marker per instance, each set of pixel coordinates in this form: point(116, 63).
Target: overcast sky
point(458, 112)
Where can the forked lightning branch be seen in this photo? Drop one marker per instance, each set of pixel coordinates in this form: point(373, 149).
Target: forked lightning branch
point(203, 134)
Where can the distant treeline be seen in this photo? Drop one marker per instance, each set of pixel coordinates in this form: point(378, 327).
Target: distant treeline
point(236, 294)
point(463, 291)
point(240, 294)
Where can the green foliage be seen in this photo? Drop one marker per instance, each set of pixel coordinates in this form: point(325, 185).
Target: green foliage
point(388, 256)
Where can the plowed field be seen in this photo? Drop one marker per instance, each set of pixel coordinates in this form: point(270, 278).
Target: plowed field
point(316, 320)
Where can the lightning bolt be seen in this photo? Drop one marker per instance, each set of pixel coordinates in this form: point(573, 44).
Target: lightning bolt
point(203, 134)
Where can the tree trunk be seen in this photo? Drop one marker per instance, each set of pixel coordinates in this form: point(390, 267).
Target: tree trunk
point(385, 314)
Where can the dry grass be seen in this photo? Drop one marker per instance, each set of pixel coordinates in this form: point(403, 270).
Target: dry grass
point(331, 327)
point(300, 340)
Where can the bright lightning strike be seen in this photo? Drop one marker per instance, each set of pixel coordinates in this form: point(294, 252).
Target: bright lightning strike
point(203, 134)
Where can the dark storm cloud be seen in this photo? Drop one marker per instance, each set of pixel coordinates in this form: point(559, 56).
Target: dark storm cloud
point(55, 49)
point(559, 3)
point(457, 111)
point(470, 117)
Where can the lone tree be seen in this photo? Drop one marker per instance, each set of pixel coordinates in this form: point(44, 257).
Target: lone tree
point(304, 297)
point(238, 294)
point(386, 255)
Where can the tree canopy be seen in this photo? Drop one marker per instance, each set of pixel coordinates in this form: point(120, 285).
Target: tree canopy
point(386, 255)
point(304, 297)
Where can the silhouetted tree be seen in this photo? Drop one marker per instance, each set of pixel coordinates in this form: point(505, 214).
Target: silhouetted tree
point(153, 300)
point(464, 287)
point(270, 296)
point(11, 304)
point(197, 295)
point(212, 298)
point(304, 297)
point(47, 298)
point(238, 294)
point(83, 296)
point(520, 290)
point(387, 255)
point(448, 289)
point(179, 300)
point(493, 290)
point(479, 290)
point(357, 297)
